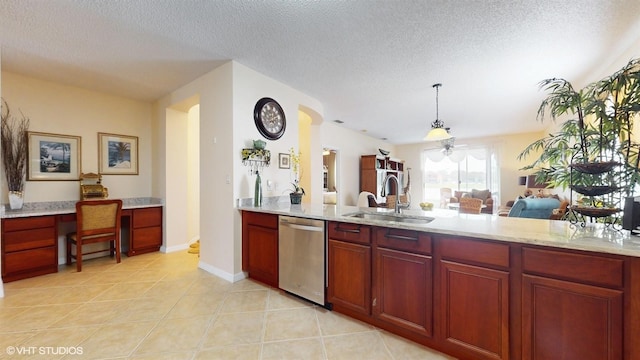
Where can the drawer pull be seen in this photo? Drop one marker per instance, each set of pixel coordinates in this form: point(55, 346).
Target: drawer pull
point(389, 235)
point(353, 231)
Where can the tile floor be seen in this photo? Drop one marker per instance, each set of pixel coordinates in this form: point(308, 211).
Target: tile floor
point(161, 306)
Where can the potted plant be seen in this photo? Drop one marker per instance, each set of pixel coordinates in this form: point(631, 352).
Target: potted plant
point(297, 192)
point(596, 138)
point(13, 134)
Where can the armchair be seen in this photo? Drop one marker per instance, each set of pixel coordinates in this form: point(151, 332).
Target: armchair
point(484, 195)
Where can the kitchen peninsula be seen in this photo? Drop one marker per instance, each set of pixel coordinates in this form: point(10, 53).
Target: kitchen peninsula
point(473, 286)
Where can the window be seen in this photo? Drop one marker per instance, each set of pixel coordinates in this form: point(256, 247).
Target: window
point(464, 169)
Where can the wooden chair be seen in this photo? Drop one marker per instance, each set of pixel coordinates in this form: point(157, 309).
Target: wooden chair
point(470, 205)
point(96, 221)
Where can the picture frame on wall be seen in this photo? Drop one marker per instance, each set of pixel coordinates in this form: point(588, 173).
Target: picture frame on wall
point(53, 156)
point(117, 154)
point(284, 161)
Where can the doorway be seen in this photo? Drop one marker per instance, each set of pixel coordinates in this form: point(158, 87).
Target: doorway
point(330, 176)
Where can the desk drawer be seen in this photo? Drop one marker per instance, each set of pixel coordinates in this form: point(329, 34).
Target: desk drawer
point(147, 217)
point(29, 260)
point(26, 223)
point(29, 239)
point(147, 238)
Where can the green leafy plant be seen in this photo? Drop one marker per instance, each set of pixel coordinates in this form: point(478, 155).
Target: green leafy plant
point(597, 128)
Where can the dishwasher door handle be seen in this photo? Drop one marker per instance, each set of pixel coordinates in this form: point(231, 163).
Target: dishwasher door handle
point(302, 227)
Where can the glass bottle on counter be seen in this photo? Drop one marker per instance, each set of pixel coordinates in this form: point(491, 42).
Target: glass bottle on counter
point(257, 196)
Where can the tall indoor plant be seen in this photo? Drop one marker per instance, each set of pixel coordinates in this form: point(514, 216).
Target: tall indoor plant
point(13, 134)
point(598, 129)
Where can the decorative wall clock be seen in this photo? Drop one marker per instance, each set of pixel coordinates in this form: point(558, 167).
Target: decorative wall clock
point(269, 118)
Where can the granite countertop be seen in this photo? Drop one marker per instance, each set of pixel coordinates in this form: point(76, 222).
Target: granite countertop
point(554, 233)
point(68, 207)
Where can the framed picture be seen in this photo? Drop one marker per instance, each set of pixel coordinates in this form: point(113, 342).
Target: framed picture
point(117, 154)
point(284, 161)
point(53, 156)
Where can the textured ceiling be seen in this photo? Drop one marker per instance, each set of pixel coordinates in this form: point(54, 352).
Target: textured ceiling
point(371, 63)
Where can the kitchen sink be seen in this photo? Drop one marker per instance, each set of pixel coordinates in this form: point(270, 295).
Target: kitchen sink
point(392, 217)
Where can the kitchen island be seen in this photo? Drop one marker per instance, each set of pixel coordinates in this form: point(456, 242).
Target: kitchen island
point(474, 286)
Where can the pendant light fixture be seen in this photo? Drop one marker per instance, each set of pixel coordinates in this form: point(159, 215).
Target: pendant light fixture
point(437, 132)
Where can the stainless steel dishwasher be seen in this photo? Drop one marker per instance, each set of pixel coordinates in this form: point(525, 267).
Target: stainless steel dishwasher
point(301, 258)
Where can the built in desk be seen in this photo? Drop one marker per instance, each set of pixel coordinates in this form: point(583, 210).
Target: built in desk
point(29, 244)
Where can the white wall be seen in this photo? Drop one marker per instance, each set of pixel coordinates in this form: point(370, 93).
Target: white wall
point(350, 146)
point(60, 109)
point(193, 174)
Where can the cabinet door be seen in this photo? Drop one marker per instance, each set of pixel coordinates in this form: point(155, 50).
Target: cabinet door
point(475, 310)
point(349, 284)
point(403, 290)
point(262, 254)
point(567, 320)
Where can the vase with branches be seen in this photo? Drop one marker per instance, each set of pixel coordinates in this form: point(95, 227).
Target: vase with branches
point(13, 134)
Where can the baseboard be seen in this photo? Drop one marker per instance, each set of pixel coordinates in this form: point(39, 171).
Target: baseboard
point(174, 248)
point(220, 273)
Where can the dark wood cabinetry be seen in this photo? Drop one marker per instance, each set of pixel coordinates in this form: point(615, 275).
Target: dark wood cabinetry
point(474, 297)
point(374, 168)
point(144, 229)
point(349, 268)
point(260, 246)
point(29, 247)
point(402, 285)
point(572, 306)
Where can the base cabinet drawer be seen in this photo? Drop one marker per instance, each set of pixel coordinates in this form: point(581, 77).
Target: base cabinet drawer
point(29, 247)
point(28, 263)
point(145, 229)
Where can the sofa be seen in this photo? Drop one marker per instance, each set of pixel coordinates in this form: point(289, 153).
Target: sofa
point(484, 195)
point(534, 208)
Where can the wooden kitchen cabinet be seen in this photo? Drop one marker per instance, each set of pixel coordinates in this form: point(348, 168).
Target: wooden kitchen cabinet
point(145, 229)
point(572, 306)
point(29, 247)
point(260, 246)
point(474, 298)
point(349, 268)
point(373, 170)
point(403, 280)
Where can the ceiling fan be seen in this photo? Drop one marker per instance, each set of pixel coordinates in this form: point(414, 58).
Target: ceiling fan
point(444, 148)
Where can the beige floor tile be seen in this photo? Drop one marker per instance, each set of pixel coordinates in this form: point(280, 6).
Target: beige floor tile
point(333, 323)
point(291, 324)
point(61, 341)
point(241, 301)
point(180, 355)
point(34, 317)
point(144, 309)
point(366, 345)
point(402, 348)
point(308, 349)
point(279, 299)
point(236, 352)
point(205, 285)
point(194, 305)
point(115, 340)
point(174, 335)
point(122, 291)
point(235, 329)
point(247, 284)
point(94, 313)
point(173, 288)
point(11, 340)
point(77, 294)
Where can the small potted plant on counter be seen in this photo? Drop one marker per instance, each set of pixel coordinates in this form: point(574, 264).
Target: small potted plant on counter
point(298, 191)
point(14, 154)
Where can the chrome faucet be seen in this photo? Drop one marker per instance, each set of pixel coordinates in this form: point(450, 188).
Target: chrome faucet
point(383, 193)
